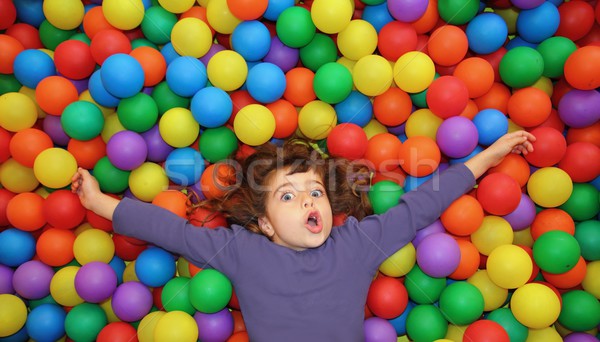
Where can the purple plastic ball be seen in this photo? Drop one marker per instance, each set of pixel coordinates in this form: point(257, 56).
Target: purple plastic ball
point(526, 4)
point(80, 85)
point(523, 216)
point(53, 128)
point(131, 301)
point(126, 150)
point(6, 280)
point(158, 149)
point(31, 279)
point(211, 52)
point(379, 330)
point(435, 227)
point(215, 327)
point(457, 137)
point(580, 337)
point(438, 255)
point(407, 10)
point(95, 282)
point(397, 130)
point(283, 56)
point(579, 108)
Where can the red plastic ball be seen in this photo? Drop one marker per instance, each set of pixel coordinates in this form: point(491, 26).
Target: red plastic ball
point(98, 221)
point(581, 161)
point(27, 34)
point(125, 249)
point(576, 19)
point(551, 219)
point(109, 42)
point(8, 14)
point(499, 193)
point(395, 39)
point(387, 297)
point(485, 331)
point(549, 147)
point(203, 217)
point(347, 140)
point(27, 144)
point(5, 197)
point(10, 47)
point(286, 118)
point(73, 59)
point(447, 96)
point(88, 152)
point(63, 209)
point(117, 332)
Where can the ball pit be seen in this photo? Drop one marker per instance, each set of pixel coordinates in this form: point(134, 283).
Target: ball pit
point(150, 95)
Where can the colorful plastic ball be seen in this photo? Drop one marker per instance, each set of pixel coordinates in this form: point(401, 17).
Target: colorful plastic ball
point(122, 75)
point(82, 120)
point(178, 127)
point(535, 305)
point(582, 204)
point(6, 281)
point(494, 231)
point(587, 235)
point(31, 66)
point(63, 209)
point(17, 112)
point(549, 187)
point(575, 107)
point(438, 255)
point(95, 282)
point(217, 326)
point(422, 288)
point(131, 301)
point(31, 279)
point(266, 82)
point(457, 137)
point(576, 20)
point(356, 109)
point(461, 303)
point(123, 15)
point(579, 336)
point(85, 321)
point(93, 245)
point(145, 329)
point(499, 193)
point(426, 323)
point(54, 167)
point(147, 181)
point(65, 15)
point(491, 124)
point(54, 246)
point(117, 332)
point(227, 70)
point(251, 39)
point(332, 83)
point(387, 297)
point(581, 68)
point(154, 267)
point(158, 149)
point(210, 291)
point(414, 71)
point(184, 166)
point(358, 39)
point(126, 150)
point(407, 11)
point(14, 314)
point(176, 326)
point(399, 263)
point(580, 161)
point(555, 51)
point(509, 266)
point(556, 251)
point(383, 151)
point(521, 67)
point(463, 216)
point(46, 323)
point(487, 32)
point(477, 75)
point(254, 124)
point(378, 330)
point(211, 107)
point(347, 140)
point(295, 27)
point(539, 23)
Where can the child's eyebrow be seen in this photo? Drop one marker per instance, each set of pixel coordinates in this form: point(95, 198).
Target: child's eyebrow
point(292, 185)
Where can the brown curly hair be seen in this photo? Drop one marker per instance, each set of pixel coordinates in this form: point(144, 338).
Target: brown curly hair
point(346, 182)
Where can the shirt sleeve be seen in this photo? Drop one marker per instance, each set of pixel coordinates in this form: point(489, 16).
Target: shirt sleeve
point(382, 235)
point(199, 245)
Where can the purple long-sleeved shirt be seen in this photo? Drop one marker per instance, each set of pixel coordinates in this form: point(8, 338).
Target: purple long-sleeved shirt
point(313, 295)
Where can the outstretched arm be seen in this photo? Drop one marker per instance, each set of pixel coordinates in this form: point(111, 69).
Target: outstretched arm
point(88, 190)
point(516, 142)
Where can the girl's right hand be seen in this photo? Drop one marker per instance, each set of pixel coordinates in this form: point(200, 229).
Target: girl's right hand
point(86, 187)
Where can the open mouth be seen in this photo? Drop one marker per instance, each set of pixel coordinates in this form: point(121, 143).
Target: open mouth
point(313, 222)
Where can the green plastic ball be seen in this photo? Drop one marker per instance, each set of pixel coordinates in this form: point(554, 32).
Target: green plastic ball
point(521, 67)
point(426, 323)
point(158, 24)
point(319, 51)
point(138, 113)
point(166, 99)
point(9, 84)
point(458, 12)
point(556, 251)
point(384, 194)
point(210, 291)
point(295, 27)
point(82, 120)
point(217, 144)
point(461, 303)
point(136, 43)
point(582, 204)
point(51, 36)
point(580, 311)
point(110, 178)
point(175, 295)
point(332, 83)
point(84, 322)
point(554, 52)
point(587, 234)
point(515, 330)
point(422, 288)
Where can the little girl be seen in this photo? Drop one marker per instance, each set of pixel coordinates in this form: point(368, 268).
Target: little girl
point(296, 277)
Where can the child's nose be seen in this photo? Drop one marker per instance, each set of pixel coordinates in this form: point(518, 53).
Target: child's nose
point(308, 201)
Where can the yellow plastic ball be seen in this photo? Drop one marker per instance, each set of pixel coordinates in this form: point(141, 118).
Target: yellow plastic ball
point(348, 63)
point(357, 39)
point(316, 119)
point(523, 237)
point(513, 127)
point(176, 326)
point(176, 6)
point(129, 272)
point(93, 245)
point(112, 125)
point(64, 14)
point(414, 71)
point(544, 84)
point(191, 37)
point(183, 267)
point(535, 305)
point(227, 70)
point(62, 286)
point(147, 181)
point(106, 111)
point(422, 122)
point(510, 17)
point(254, 124)
point(548, 334)
point(17, 112)
point(373, 128)
point(399, 263)
point(591, 282)
point(509, 266)
point(108, 310)
point(494, 231)
point(124, 15)
point(16, 177)
point(82, 228)
point(331, 16)
point(220, 17)
point(178, 128)
point(372, 75)
point(549, 187)
point(13, 314)
point(455, 332)
point(145, 331)
point(31, 94)
point(54, 167)
point(494, 296)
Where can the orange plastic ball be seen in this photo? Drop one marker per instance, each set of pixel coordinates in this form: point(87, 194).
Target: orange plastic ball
point(569, 279)
point(26, 144)
point(87, 153)
point(94, 21)
point(477, 74)
point(428, 20)
point(469, 260)
point(582, 68)
point(497, 98)
point(215, 182)
point(515, 166)
point(247, 9)
point(153, 63)
point(552, 219)
point(419, 156)
point(286, 118)
point(589, 134)
point(393, 107)
point(383, 150)
point(463, 216)
point(10, 47)
point(54, 93)
point(529, 107)
point(55, 246)
point(448, 45)
point(172, 200)
point(299, 86)
point(25, 211)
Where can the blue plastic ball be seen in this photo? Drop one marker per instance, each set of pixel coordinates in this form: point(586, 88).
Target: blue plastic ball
point(46, 323)
point(99, 92)
point(519, 42)
point(399, 323)
point(251, 39)
point(122, 75)
point(491, 124)
point(539, 23)
point(266, 82)
point(186, 75)
point(356, 108)
point(154, 267)
point(412, 182)
point(16, 247)
point(377, 15)
point(211, 107)
point(275, 8)
point(486, 33)
point(169, 53)
point(184, 166)
point(118, 265)
point(31, 66)
point(30, 12)
point(467, 157)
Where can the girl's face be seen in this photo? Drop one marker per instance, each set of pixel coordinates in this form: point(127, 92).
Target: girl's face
point(298, 213)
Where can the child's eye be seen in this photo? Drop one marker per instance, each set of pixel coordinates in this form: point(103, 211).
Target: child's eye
point(288, 196)
point(316, 193)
